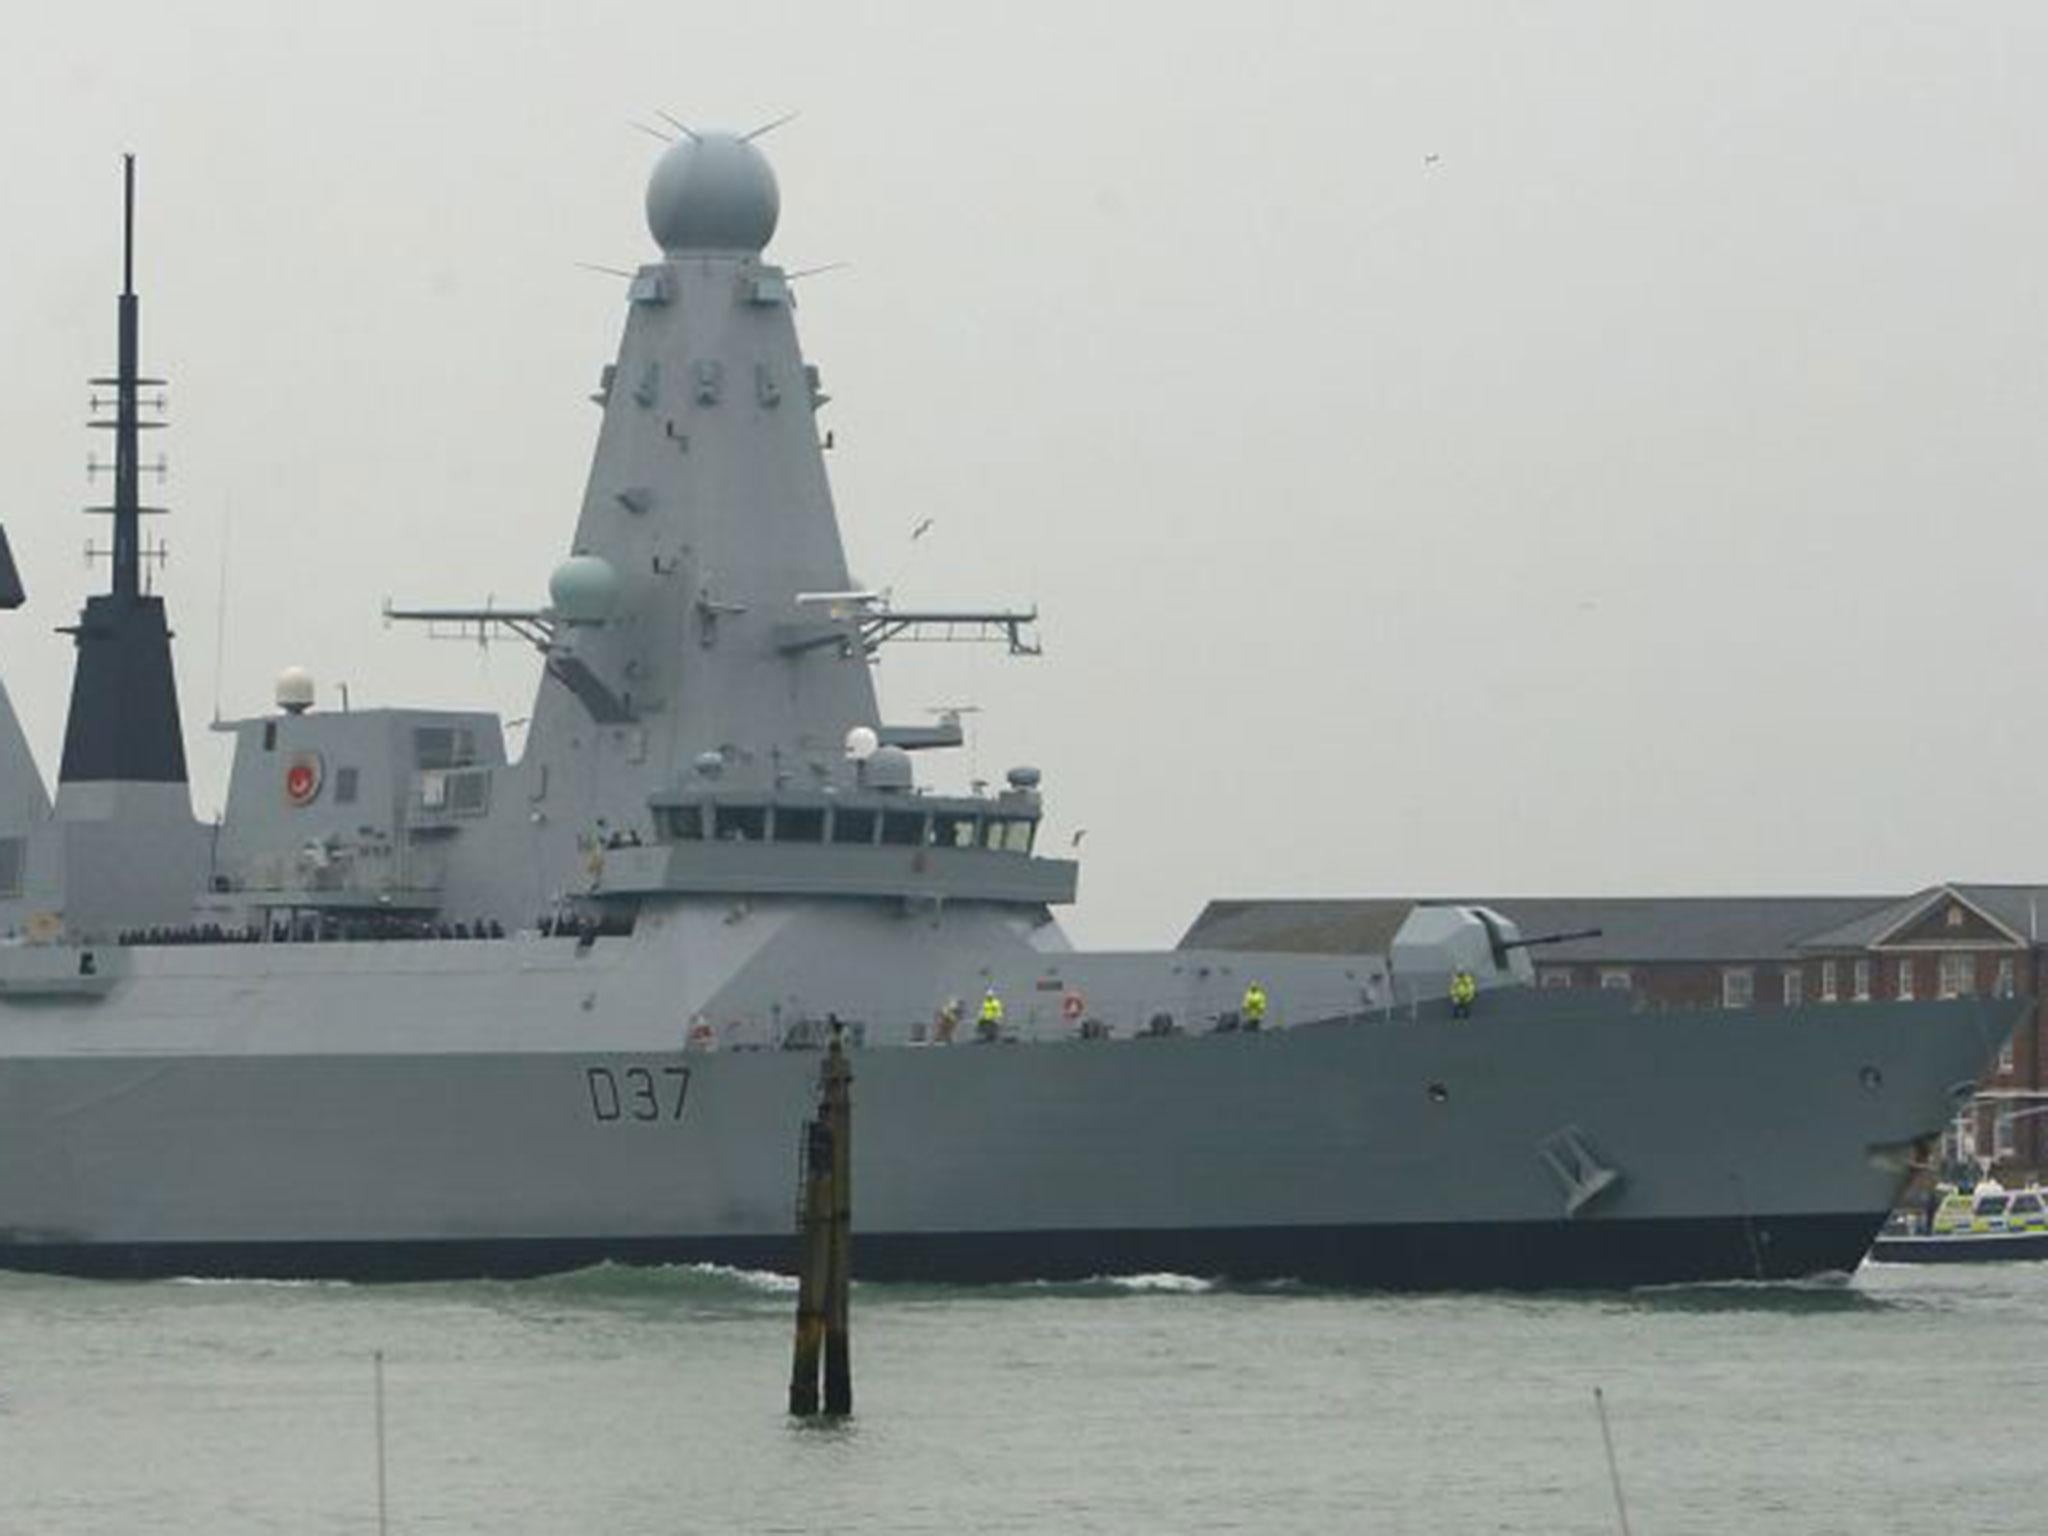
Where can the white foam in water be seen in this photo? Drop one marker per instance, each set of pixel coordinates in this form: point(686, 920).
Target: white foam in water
point(755, 1279)
point(1185, 1285)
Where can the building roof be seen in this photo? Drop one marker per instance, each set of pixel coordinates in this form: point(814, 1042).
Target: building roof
point(1639, 929)
point(2017, 908)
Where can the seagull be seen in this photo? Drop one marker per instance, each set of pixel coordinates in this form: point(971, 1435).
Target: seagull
point(1432, 158)
point(919, 531)
point(1075, 840)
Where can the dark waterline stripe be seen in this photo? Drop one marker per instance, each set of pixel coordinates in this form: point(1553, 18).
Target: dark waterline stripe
point(1437, 1256)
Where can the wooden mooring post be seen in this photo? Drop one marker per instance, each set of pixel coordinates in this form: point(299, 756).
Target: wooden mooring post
point(825, 1243)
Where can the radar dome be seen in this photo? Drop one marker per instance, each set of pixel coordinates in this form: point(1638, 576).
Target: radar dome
point(888, 768)
point(584, 589)
point(712, 192)
point(861, 742)
point(295, 690)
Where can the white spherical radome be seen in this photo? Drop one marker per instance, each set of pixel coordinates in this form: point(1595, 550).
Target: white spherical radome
point(295, 690)
point(584, 589)
point(712, 192)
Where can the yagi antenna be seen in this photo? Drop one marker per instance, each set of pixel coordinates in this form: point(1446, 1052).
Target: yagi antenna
point(598, 266)
point(678, 124)
point(765, 128)
point(830, 266)
point(651, 131)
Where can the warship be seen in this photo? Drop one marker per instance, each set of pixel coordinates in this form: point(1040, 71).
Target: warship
point(413, 1007)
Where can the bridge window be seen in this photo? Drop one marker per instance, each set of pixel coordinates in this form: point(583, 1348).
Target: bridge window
point(951, 831)
point(851, 826)
point(799, 824)
point(1007, 834)
point(682, 823)
point(345, 781)
point(442, 746)
point(469, 794)
point(742, 823)
point(903, 829)
point(13, 857)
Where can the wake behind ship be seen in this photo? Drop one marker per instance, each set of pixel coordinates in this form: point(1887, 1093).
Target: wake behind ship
point(416, 1008)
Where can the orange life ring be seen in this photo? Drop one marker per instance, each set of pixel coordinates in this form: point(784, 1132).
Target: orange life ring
point(1072, 1006)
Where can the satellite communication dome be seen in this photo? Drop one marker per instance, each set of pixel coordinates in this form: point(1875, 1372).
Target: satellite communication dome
point(861, 742)
point(889, 768)
point(584, 589)
point(712, 192)
point(295, 690)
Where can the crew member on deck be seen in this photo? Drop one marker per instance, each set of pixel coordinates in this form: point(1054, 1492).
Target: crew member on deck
point(1464, 989)
point(991, 1023)
point(1253, 1011)
point(948, 1020)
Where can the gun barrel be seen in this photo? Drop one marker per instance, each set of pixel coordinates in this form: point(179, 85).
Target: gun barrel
point(1553, 938)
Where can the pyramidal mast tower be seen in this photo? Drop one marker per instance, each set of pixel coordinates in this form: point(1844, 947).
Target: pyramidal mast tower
point(24, 804)
point(123, 804)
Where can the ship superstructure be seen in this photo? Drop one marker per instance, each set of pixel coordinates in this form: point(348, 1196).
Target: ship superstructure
point(417, 1006)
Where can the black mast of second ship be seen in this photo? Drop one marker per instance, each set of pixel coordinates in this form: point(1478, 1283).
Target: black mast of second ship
point(123, 726)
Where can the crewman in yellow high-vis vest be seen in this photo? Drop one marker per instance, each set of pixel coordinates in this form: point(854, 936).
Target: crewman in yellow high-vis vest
point(1464, 990)
point(990, 1026)
point(1253, 1011)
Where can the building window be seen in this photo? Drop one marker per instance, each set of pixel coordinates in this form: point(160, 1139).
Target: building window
point(2003, 986)
point(1827, 981)
point(345, 780)
point(1955, 916)
point(1963, 1135)
point(1862, 981)
point(1557, 976)
point(1616, 981)
point(1794, 983)
point(2005, 1056)
point(1958, 975)
point(2001, 1134)
point(1738, 987)
point(1903, 991)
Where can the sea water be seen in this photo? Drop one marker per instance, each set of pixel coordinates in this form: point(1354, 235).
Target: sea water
point(619, 1401)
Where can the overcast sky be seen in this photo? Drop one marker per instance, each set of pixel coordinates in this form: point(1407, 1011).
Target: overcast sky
point(1584, 448)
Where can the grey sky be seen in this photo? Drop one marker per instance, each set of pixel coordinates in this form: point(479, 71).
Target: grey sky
point(1528, 448)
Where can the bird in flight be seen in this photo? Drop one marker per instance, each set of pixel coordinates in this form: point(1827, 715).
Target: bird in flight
point(919, 531)
point(1075, 840)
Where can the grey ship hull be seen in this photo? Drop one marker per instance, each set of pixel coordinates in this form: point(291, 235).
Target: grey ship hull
point(484, 1115)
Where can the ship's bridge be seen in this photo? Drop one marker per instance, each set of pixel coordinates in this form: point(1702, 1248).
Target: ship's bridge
point(835, 842)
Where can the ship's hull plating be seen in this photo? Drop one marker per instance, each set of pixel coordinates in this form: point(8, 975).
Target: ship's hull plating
point(1402, 1153)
